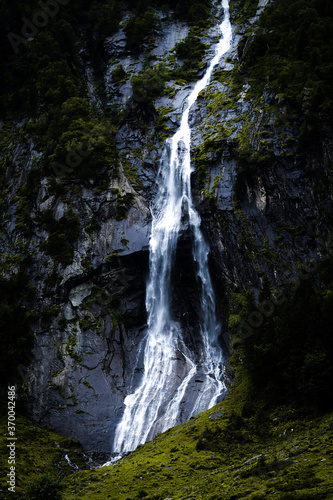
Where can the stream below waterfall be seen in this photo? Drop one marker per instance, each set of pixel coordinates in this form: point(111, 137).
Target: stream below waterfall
point(173, 372)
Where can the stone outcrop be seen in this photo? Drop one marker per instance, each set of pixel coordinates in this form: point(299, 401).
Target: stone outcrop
point(259, 223)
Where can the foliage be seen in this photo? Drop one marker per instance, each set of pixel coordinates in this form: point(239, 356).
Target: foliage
point(63, 234)
point(40, 456)
point(46, 83)
point(295, 339)
point(25, 198)
point(140, 27)
point(45, 487)
point(220, 454)
point(146, 86)
point(124, 203)
point(192, 51)
point(196, 12)
point(292, 60)
point(242, 10)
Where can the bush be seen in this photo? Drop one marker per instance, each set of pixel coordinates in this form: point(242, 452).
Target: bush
point(295, 339)
point(193, 11)
point(191, 50)
point(139, 28)
point(63, 233)
point(45, 487)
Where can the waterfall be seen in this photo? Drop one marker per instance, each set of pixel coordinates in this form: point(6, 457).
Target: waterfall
point(172, 372)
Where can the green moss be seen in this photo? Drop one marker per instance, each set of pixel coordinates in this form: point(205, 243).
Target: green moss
point(124, 203)
point(191, 51)
point(86, 383)
point(242, 10)
point(62, 322)
point(39, 451)
point(86, 264)
point(161, 119)
point(47, 315)
point(59, 354)
point(70, 346)
point(210, 195)
point(62, 235)
point(26, 197)
point(140, 28)
point(222, 458)
point(56, 387)
point(119, 75)
point(131, 174)
point(288, 329)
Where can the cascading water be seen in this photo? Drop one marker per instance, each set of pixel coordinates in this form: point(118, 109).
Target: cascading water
point(170, 367)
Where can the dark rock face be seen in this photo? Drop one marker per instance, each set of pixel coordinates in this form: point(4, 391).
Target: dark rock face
point(263, 222)
point(81, 375)
point(274, 226)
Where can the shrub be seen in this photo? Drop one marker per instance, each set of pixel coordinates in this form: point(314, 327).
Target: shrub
point(139, 28)
point(296, 340)
point(191, 50)
point(45, 487)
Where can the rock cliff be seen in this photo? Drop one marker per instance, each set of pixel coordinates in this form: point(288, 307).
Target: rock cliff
point(262, 198)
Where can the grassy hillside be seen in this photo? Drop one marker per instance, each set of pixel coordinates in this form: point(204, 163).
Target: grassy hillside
point(39, 452)
point(279, 454)
point(221, 455)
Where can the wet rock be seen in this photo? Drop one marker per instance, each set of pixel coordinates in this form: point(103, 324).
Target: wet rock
point(83, 363)
point(79, 293)
point(216, 415)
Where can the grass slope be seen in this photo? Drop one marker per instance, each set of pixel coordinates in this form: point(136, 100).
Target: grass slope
point(216, 455)
point(39, 451)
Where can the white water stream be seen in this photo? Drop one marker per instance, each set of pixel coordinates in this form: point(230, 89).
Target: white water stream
point(172, 373)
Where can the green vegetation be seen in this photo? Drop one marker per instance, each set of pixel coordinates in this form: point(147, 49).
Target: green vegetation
point(47, 315)
point(287, 68)
point(40, 459)
point(146, 86)
point(191, 51)
point(124, 203)
point(294, 58)
point(25, 200)
point(289, 330)
point(272, 438)
point(144, 24)
point(63, 234)
point(45, 487)
point(195, 12)
point(119, 75)
point(242, 10)
point(223, 454)
point(140, 27)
